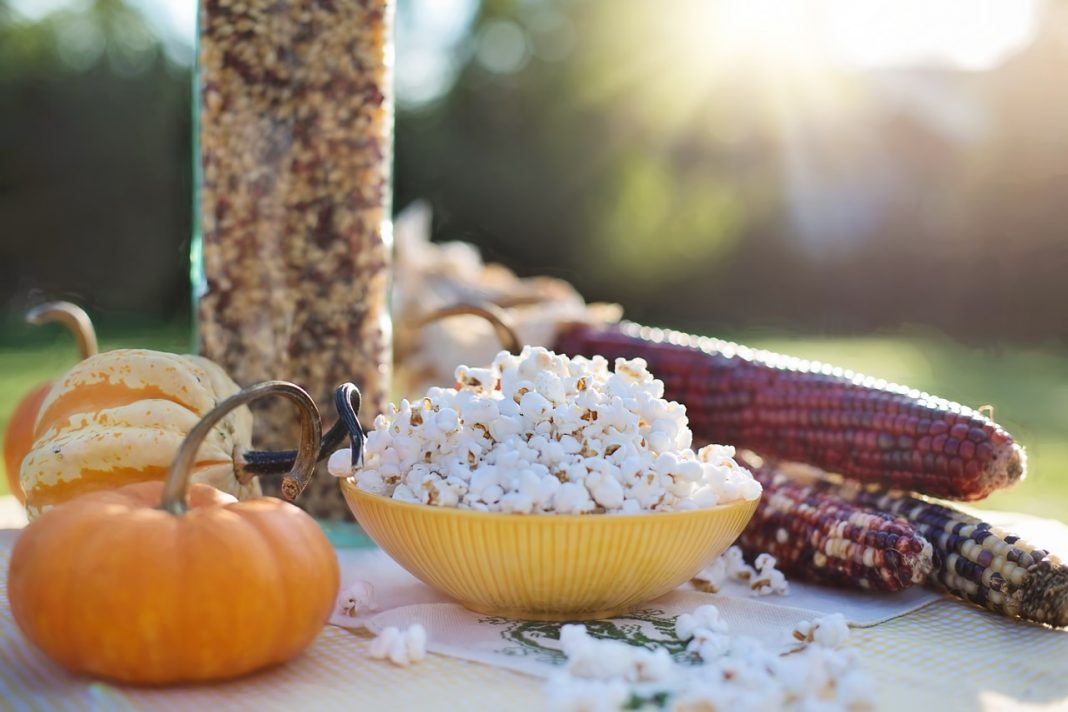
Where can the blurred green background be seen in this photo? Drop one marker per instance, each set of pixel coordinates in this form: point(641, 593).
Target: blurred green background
point(880, 185)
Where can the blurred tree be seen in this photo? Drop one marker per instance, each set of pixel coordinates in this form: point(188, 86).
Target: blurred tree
point(94, 161)
point(715, 192)
point(635, 153)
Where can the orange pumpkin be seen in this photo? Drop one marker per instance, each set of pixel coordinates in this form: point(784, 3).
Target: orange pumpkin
point(18, 437)
point(118, 418)
point(120, 585)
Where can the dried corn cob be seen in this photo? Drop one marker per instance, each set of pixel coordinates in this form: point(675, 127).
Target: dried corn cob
point(822, 538)
point(974, 560)
point(808, 412)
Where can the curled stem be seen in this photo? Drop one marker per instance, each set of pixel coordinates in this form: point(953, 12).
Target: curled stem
point(496, 316)
point(71, 316)
point(347, 401)
point(311, 434)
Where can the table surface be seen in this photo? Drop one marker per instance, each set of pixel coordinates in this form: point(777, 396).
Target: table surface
point(948, 654)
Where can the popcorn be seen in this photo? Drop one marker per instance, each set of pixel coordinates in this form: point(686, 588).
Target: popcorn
point(605, 489)
point(572, 498)
point(711, 578)
point(709, 645)
point(763, 580)
point(823, 679)
point(543, 433)
point(704, 618)
point(734, 672)
point(831, 631)
point(768, 579)
point(590, 657)
point(400, 647)
point(856, 690)
point(358, 598)
point(765, 561)
point(576, 694)
point(705, 631)
point(736, 567)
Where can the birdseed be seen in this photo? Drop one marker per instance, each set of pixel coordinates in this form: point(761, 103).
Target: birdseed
point(295, 132)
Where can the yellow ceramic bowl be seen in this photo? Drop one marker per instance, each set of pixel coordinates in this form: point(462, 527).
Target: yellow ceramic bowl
point(548, 567)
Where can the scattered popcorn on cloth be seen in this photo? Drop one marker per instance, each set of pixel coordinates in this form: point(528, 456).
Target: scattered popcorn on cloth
point(543, 433)
point(763, 580)
point(737, 569)
point(358, 599)
point(739, 673)
point(566, 693)
point(590, 657)
point(711, 578)
point(831, 631)
point(768, 579)
point(401, 647)
point(706, 633)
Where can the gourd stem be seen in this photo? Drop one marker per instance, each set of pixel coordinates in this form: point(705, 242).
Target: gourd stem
point(71, 316)
point(347, 400)
point(497, 317)
point(311, 434)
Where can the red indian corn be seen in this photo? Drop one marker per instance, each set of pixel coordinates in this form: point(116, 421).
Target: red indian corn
point(825, 539)
point(840, 421)
point(974, 560)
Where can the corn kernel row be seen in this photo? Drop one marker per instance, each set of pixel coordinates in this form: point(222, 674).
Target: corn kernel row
point(808, 412)
point(825, 539)
point(975, 560)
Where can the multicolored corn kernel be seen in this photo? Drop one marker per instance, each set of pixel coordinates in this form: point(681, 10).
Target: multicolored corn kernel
point(295, 136)
point(782, 407)
point(822, 538)
point(974, 560)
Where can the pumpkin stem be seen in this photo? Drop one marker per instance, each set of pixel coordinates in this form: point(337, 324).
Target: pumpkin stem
point(311, 435)
point(347, 401)
point(71, 316)
point(497, 317)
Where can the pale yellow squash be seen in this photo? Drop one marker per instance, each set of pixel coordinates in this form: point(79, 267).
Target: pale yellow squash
point(119, 417)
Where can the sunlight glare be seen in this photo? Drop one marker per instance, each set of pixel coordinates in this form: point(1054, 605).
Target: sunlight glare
point(971, 35)
point(967, 35)
point(766, 30)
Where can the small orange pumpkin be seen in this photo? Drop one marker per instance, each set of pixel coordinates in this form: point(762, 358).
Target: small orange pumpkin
point(18, 437)
point(117, 585)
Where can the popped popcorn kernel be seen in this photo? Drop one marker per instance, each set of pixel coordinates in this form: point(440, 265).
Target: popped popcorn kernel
point(704, 618)
point(340, 463)
point(768, 579)
point(357, 599)
point(831, 631)
point(400, 647)
point(566, 693)
point(711, 578)
point(737, 569)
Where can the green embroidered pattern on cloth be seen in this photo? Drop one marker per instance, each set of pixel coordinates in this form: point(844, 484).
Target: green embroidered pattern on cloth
point(649, 628)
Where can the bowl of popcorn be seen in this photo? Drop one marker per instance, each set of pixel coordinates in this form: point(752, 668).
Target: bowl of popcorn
point(547, 487)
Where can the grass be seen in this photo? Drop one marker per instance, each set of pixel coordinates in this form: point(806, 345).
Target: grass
point(1028, 387)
